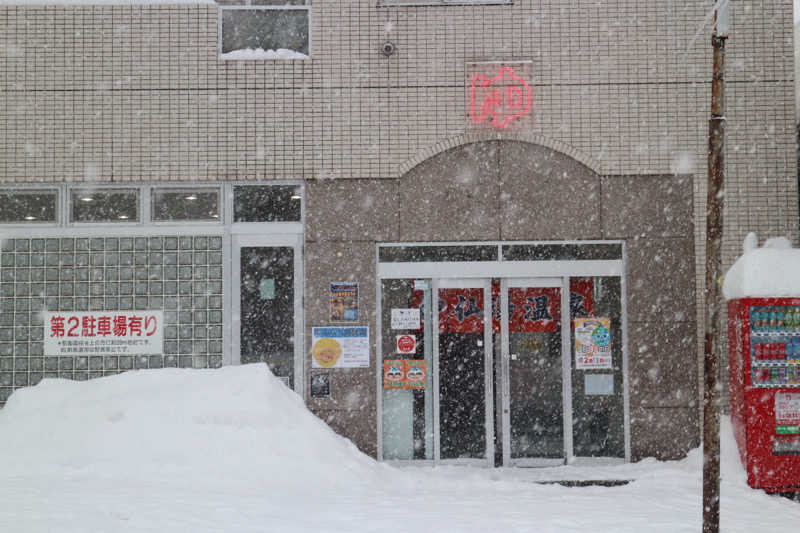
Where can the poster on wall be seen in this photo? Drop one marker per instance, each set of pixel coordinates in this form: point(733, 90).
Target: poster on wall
point(103, 333)
point(592, 343)
point(320, 385)
point(344, 301)
point(340, 347)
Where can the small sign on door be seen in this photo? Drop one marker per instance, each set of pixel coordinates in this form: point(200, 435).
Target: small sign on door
point(406, 343)
point(405, 318)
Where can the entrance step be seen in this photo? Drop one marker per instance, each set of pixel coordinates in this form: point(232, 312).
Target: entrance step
point(586, 482)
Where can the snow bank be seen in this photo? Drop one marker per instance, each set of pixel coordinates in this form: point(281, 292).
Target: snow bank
point(237, 421)
point(770, 271)
point(233, 450)
point(260, 53)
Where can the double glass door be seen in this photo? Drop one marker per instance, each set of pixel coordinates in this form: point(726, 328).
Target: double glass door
point(506, 383)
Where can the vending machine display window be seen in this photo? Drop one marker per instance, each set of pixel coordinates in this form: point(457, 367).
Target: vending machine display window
point(764, 345)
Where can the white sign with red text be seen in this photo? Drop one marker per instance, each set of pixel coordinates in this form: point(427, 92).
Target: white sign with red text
point(104, 333)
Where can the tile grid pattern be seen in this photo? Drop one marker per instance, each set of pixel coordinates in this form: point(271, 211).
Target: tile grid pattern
point(180, 275)
point(137, 92)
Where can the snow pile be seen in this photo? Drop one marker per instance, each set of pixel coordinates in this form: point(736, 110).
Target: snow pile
point(769, 271)
point(260, 53)
point(238, 422)
point(233, 450)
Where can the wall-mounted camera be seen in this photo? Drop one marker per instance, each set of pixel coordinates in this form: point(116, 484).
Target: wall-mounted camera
point(387, 49)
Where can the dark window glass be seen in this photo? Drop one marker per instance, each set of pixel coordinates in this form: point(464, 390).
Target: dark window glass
point(28, 206)
point(270, 203)
point(268, 29)
point(267, 308)
point(185, 204)
point(418, 254)
point(561, 252)
point(104, 205)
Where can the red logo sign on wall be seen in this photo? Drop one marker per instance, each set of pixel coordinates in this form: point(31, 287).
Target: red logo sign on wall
point(499, 99)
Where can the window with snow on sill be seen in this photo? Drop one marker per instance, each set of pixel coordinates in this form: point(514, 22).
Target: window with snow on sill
point(264, 32)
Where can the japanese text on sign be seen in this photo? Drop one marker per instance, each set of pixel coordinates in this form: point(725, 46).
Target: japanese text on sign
point(787, 413)
point(592, 343)
point(104, 333)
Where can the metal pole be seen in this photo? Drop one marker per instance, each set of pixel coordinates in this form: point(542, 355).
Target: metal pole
point(716, 180)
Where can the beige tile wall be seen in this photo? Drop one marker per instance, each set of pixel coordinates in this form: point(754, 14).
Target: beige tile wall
point(137, 92)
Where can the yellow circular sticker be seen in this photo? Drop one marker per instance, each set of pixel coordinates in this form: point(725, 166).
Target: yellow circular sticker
point(326, 352)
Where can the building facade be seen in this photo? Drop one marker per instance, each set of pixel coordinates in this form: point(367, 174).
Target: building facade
point(200, 184)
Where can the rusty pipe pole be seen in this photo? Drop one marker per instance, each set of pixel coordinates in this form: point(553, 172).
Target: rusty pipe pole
point(716, 183)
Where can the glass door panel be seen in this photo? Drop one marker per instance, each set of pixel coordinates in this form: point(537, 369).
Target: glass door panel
point(533, 390)
point(267, 308)
point(464, 355)
point(407, 425)
point(597, 371)
point(266, 304)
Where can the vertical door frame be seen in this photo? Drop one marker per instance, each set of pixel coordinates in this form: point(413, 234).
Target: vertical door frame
point(295, 241)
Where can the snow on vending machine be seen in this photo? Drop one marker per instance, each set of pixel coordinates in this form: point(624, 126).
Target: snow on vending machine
point(764, 349)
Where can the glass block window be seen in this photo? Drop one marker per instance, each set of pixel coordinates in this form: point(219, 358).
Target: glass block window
point(265, 29)
point(270, 203)
point(185, 204)
point(104, 205)
point(28, 205)
point(180, 275)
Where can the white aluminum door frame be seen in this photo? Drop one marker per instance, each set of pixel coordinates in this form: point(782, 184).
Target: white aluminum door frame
point(505, 382)
point(269, 241)
point(465, 283)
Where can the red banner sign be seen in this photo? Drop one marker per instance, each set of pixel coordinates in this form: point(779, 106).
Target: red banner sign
point(460, 310)
point(530, 309)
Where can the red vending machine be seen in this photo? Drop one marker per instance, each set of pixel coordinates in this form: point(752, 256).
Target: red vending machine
point(764, 347)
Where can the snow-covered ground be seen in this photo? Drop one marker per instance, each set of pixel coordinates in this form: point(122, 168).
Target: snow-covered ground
point(233, 450)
